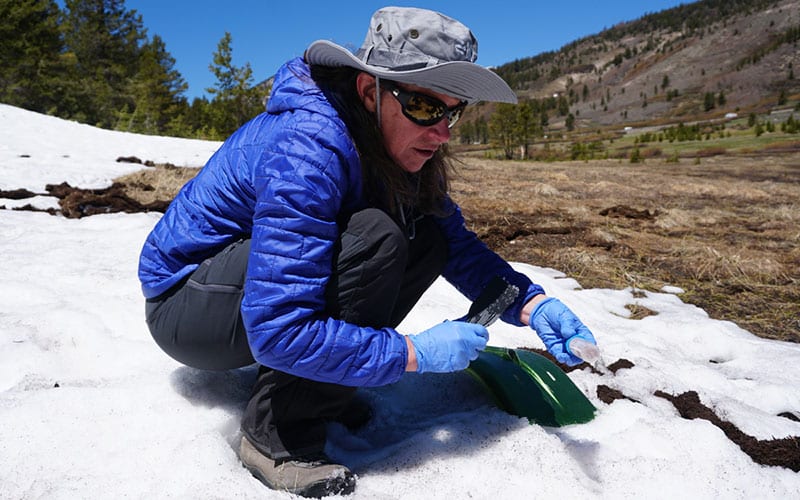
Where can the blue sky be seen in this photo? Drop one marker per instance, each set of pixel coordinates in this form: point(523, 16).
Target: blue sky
point(267, 33)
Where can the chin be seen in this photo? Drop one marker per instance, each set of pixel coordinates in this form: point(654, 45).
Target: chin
point(413, 166)
point(414, 169)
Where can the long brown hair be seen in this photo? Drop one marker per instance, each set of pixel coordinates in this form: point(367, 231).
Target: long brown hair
point(386, 184)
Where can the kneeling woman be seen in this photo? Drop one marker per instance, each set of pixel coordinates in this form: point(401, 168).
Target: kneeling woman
point(316, 227)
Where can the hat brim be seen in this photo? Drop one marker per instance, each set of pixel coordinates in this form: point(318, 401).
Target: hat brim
point(460, 79)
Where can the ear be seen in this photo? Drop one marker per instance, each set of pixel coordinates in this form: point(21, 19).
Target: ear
point(365, 84)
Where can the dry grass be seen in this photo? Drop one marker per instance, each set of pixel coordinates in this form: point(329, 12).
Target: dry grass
point(727, 230)
point(161, 182)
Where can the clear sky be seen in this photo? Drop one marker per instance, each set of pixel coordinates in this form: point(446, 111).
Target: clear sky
point(266, 33)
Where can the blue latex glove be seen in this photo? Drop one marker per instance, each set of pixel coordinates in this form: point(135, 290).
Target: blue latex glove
point(555, 324)
point(449, 346)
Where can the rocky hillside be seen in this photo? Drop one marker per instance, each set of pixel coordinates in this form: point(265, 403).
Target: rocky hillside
point(695, 61)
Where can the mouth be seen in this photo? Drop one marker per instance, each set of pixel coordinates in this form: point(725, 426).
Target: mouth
point(427, 151)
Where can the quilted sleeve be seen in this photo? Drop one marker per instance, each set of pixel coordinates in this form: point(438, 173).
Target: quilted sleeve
point(300, 181)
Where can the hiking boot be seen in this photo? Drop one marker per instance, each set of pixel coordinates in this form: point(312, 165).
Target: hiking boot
point(313, 476)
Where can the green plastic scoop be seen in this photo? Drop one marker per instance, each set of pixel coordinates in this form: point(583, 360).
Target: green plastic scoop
point(522, 382)
point(528, 384)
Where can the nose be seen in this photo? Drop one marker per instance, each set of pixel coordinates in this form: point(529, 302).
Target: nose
point(440, 131)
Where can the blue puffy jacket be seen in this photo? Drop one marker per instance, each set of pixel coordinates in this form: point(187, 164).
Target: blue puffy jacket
point(282, 179)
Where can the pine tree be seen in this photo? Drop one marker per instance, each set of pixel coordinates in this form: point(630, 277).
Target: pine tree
point(466, 132)
point(502, 127)
point(105, 41)
point(570, 122)
point(563, 106)
point(544, 120)
point(709, 101)
point(31, 67)
point(157, 90)
point(197, 118)
point(525, 127)
point(235, 99)
point(482, 130)
point(636, 155)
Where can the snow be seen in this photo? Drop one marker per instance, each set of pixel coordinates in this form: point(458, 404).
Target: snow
point(91, 408)
point(36, 150)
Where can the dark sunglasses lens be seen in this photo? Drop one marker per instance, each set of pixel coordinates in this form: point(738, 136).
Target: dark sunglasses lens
point(425, 110)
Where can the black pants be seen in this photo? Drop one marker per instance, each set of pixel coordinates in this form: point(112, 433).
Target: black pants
point(379, 275)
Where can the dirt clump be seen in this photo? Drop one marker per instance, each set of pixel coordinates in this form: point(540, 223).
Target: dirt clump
point(774, 452)
point(791, 416)
point(608, 395)
point(17, 194)
point(620, 364)
point(628, 212)
point(76, 202)
point(149, 190)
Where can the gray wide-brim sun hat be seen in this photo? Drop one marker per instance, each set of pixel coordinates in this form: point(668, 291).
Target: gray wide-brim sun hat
point(420, 47)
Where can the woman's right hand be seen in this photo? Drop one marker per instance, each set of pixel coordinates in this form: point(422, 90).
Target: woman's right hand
point(446, 347)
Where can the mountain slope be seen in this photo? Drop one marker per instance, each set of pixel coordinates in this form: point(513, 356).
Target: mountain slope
point(694, 61)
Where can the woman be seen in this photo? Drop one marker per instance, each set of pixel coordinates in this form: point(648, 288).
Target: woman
point(315, 229)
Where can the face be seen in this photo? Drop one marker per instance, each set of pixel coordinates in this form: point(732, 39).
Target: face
point(410, 145)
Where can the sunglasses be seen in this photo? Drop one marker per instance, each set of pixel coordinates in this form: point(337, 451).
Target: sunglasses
point(423, 109)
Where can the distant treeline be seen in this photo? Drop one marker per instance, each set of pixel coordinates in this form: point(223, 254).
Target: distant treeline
point(93, 62)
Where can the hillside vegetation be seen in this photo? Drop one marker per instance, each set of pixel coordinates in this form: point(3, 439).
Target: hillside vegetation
point(665, 65)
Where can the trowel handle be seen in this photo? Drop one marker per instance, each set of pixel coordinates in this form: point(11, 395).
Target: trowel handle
point(492, 302)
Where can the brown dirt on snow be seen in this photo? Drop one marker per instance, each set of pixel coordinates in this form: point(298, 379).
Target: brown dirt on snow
point(608, 395)
point(76, 203)
point(774, 452)
point(149, 190)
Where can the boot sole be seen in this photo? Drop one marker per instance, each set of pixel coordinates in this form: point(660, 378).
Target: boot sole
point(345, 486)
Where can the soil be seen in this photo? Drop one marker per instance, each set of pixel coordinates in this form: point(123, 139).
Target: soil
point(608, 395)
point(773, 452)
point(76, 202)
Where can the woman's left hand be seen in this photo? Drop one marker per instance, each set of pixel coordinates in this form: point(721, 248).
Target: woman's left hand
point(555, 323)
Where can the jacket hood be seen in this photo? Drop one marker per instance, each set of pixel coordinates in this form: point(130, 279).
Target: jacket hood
point(294, 89)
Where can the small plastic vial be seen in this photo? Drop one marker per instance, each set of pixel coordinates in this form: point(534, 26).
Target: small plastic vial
point(588, 352)
point(583, 349)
